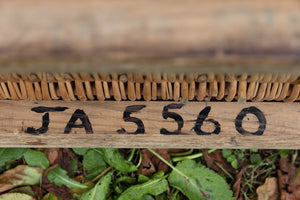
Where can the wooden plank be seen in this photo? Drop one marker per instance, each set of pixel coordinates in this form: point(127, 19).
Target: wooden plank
point(132, 35)
point(112, 124)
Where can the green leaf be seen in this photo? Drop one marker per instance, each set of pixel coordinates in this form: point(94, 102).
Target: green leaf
point(226, 153)
point(142, 178)
point(235, 164)
point(231, 158)
point(36, 159)
point(114, 159)
point(80, 151)
point(198, 182)
point(153, 187)
point(99, 191)
point(94, 163)
point(240, 155)
point(60, 177)
point(125, 179)
point(284, 152)
point(9, 154)
point(162, 197)
point(74, 166)
point(147, 197)
point(254, 150)
point(255, 158)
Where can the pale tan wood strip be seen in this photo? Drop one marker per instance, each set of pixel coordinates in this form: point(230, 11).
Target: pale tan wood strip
point(268, 91)
point(231, 90)
point(275, 87)
point(116, 90)
point(221, 86)
point(2, 95)
point(147, 90)
point(115, 87)
point(106, 118)
point(44, 87)
point(63, 91)
point(261, 92)
point(131, 87)
point(176, 90)
point(294, 94)
point(88, 90)
point(98, 86)
point(122, 81)
point(70, 91)
point(213, 88)
point(12, 91)
point(5, 90)
point(164, 88)
point(170, 90)
point(23, 89)
point(80, 90)
point(284, 91)
point(99, 90)
point(154, 91)
point(17, 89)
point(37, 91)
point(106, 90)
point(53, 91)
point(122, 90)
point(202, 91)
point(184, 89)
point(192, 88)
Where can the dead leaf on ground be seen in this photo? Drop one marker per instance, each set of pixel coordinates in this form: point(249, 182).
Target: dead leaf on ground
point(62, 191)
point(268, 190)
point(38, 191)
point(216, 156)
point(289, 190)
point(20, 175)
point(237, 184)
point(52, 155)
point(14, 196)
point(61, 157)
point(151, 163)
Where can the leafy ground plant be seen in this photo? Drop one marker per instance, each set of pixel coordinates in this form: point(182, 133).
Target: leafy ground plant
point(135, 174)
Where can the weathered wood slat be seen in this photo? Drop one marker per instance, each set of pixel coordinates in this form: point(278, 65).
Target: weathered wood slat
point(197, 36)
point(279, 124)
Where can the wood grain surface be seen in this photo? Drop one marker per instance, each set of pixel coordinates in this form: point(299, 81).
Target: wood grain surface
point(109, 129)
point(236, 36)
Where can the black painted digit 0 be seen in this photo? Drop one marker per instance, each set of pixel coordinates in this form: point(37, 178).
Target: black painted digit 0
point(260, 116)
point(201, 118)
point(166, 114)
point(127, 118)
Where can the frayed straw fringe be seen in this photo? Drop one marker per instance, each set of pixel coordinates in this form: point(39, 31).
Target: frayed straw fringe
point(150, 86)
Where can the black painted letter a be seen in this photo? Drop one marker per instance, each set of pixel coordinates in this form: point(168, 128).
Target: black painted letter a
point(86, 124)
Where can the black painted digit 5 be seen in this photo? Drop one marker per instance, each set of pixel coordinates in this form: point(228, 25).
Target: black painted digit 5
point(201, 118)
point(260, 116)
point(127, 118)
point(166, 114)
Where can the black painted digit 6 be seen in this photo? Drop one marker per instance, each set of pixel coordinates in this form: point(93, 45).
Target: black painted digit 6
point(201, 118)
point(260, 116)
point(127, 118)
point(166, 114)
